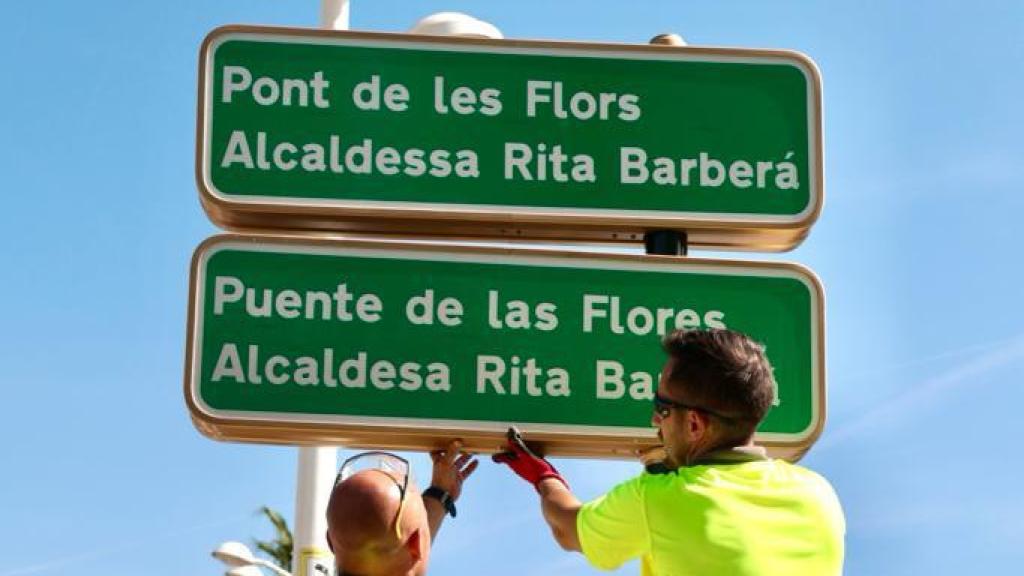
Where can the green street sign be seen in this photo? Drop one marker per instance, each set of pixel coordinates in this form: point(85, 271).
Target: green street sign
point(386, 344)
point(448, 136)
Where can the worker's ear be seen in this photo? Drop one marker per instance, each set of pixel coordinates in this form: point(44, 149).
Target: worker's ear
point(413, 545)
point(698, 424)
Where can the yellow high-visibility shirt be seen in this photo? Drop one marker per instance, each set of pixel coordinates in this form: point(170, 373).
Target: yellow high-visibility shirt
point(731, 517)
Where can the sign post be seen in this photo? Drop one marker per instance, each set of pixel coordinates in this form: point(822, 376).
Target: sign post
point(383, 344)
point(391, 133)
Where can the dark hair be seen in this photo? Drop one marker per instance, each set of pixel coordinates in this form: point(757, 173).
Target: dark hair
point(724, 372)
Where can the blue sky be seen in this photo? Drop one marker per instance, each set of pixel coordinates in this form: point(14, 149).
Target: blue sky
point(918, 249)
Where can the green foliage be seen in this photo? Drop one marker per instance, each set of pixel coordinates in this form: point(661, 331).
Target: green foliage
point(280, 548)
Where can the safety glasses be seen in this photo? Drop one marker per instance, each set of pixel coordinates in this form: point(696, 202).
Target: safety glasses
point(387, 462)
point(663, 406)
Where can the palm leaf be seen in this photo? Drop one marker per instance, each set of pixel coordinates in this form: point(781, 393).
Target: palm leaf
point(280, 548)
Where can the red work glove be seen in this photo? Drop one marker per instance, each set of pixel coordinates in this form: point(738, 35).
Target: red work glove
point(524, 462)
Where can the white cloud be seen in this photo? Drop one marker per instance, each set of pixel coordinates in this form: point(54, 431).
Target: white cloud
point(914, 394)
point(70, 561)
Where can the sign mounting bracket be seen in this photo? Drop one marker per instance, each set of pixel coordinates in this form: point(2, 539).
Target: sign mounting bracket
point(666, 243)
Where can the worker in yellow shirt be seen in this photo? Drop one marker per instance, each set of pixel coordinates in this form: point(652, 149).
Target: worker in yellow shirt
point(722, 507)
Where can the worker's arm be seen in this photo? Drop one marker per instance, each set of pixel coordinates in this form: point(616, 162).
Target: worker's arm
point(435, 515)
point(451, 468)
point(560, 509)
point(557, 502)
point(608, 531)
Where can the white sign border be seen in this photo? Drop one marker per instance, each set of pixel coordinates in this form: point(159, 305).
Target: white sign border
point(395, 41)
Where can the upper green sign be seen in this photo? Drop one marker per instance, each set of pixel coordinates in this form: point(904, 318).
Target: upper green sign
point(387, 344)
point(383, 132)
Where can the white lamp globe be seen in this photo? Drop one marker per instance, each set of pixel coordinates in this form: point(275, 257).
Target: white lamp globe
point(244, 571)
point(234, 554)
point(455, 24)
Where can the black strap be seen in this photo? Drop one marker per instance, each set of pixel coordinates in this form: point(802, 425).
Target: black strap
point(443, 497)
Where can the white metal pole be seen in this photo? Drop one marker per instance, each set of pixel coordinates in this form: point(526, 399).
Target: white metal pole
point(315, 479)
point(316, 466)
point(278, 571)
point(334, 14)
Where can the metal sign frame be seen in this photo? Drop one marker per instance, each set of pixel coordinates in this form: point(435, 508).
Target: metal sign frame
point(422, 434)
point(725, 230)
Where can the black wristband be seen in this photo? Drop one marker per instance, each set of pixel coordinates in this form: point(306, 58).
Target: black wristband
point(443, 497)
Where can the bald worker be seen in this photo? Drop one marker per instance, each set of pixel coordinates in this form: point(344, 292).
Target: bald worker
point(379, 524)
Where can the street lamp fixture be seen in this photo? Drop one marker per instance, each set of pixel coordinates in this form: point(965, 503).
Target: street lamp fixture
point(238, 556)
point(244, 571)
point(456, 24)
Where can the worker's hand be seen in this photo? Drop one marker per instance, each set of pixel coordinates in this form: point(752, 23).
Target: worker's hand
point(524, 462)
point(451, 468)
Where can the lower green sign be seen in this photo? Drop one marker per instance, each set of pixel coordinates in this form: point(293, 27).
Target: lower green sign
point(374, 343)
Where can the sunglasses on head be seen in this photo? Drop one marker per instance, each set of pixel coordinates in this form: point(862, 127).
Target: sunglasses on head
point(386, 462)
